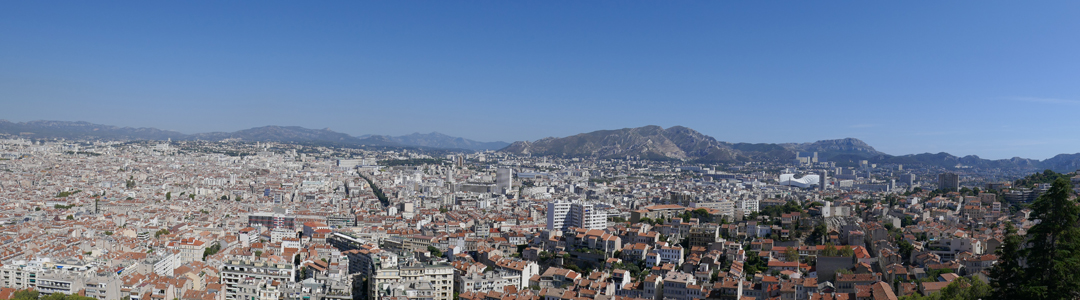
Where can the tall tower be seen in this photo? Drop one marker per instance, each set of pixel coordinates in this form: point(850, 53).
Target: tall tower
point(504, 179)
point(823, 181)
point(558, 214)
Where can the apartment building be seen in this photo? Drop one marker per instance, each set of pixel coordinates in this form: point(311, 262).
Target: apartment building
point(191, 250)
point(427, 281)
point(235, 273)
point(562, 215)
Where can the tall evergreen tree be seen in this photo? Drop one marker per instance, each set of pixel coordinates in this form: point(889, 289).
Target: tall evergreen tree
point(1007, 276)
point(1053, 255)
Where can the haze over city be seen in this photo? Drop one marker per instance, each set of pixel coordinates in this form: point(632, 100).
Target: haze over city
point(994, 79)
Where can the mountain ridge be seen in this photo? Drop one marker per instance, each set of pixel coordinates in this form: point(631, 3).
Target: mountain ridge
point(271, 133)
point(681, 143)
point(646, 142)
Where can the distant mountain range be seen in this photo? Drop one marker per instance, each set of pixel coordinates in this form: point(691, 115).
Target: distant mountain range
point(292, 134)
point(681, 143)
point(648, 142)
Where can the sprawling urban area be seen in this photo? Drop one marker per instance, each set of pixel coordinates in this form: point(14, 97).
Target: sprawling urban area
point(197, 220)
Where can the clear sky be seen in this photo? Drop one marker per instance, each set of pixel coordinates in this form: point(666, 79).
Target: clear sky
point(991, 78)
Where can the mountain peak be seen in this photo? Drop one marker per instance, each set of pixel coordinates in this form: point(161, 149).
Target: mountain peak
point(648, 142)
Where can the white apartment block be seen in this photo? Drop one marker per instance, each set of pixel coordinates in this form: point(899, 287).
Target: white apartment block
point(562, 215)
point(191, 250)
point(418, 280)
point(558, 214)
point(168, 263)
point(234, 273)
point(70, 276)
point(664, 254)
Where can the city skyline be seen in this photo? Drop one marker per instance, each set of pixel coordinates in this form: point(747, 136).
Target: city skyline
point(906, 79)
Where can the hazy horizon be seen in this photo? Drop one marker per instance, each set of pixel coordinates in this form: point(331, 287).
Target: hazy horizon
point(993, 79)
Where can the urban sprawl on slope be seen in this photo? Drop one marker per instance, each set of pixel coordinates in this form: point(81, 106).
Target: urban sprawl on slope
point(234, 220)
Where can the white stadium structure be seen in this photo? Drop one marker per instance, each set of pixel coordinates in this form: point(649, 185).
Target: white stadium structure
point(804, 182)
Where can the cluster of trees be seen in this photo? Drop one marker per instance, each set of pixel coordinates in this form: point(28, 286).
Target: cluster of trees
point(754, 264)
point(160, 232)
point(1043, 263)
point(1047, 176)
point(965, 191)
point(701, 214)
point(545, 256)
point(963, 288)
point(213, 249)
point(377, 191)
point(65, 194)
point(905, 249)
point(831, 250)
point(776, 211)
point(913, 191)
point(34, 295)
point(434, 251)
point(637, 270)
point(818, 235)
point(791, 254)
point(651, 221)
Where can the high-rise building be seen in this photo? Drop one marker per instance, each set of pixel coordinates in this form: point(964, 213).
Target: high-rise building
point(504, 179)
point(558, 213)
point(562, 215)
point(949, 181)
point(908, 179)
point(586, 216)
point(824, 180)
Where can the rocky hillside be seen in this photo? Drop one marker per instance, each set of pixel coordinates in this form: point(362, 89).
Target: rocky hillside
point(649, 142)
point(681, 143)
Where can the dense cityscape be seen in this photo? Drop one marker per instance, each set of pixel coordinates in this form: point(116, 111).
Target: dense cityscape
point(539, 150)
point(141, 220)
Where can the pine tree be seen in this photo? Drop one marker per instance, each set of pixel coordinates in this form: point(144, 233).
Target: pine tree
point(1007, 276)
point(1053, 255)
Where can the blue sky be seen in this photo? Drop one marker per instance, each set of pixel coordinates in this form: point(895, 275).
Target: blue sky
point(991, 78)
